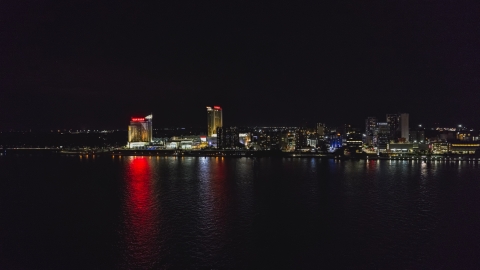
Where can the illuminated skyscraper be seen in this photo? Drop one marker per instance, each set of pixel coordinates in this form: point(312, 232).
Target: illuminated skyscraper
point(214, 120)
point(140, 131)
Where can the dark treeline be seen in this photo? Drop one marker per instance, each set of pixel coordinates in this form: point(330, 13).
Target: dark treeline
point(65, 140)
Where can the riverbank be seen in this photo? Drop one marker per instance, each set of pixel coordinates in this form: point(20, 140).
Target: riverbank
point(227, 153)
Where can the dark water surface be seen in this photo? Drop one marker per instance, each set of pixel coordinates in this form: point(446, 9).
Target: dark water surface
point(183, 213)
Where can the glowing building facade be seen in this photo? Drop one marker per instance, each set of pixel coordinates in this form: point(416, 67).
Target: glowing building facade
point(214, 120)
point(140, 131)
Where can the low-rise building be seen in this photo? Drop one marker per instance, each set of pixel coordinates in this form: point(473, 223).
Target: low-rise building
point(464, 148)
point(440, 147)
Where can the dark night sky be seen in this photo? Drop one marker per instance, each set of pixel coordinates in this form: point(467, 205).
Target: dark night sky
point(81, 64)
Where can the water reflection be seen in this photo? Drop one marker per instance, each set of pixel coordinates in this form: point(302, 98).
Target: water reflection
point(141, 215)
point(230, 213)
point(213, 204)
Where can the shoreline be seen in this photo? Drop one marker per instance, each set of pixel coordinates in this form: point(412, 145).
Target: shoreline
point(230, 154)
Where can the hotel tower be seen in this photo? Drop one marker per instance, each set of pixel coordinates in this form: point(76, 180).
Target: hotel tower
point(214, 120)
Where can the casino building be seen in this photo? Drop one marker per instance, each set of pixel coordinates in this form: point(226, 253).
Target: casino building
point(214, 120)
point(140, 131)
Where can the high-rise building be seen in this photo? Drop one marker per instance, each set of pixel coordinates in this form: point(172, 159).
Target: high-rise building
point(214, 120)
point(140, 131)
point(321, 130)
point(393, 121)
point(370, 126)
point(300, 138)
point(417, 136)
point(227, 138)
point(353, 138)
point(404, 127)
point(382, 136)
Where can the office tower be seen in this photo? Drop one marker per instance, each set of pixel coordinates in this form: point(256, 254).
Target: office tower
point(382, 136)
point(417, 136)
point(321, 130)
point(393, 121)
point(404, 127)
point(214, 120)
point(300, 138)
point(353, 138)
point(227, 138)
point(140, 131)
point(370, 126)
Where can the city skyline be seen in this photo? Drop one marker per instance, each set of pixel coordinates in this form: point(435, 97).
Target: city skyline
point(200, 125)
point(239, 134)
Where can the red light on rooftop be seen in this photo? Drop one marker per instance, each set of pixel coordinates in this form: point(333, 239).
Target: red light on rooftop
point(217, 107)
point(138, 119)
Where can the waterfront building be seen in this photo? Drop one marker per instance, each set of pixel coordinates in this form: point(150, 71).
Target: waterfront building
point(393, 121)
point(439, 147)
point(321, 130)
point(227, 138)
point(140, 131)
point(404, 127)
point(244, 138)
point(214, 120)
point(417, 136)
point(402, 147)
point(382, 136)
point(287, 140)
point(211, 142)
point(271, 139)
point(334, 140)
point(370, 126)
point(301, 138)
point(183, 143)
point(312, 140)
point(464, 148)
point(352, 139)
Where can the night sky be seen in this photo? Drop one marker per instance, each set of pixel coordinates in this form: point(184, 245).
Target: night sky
point(82, 64)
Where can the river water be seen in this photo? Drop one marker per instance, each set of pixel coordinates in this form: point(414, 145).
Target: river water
point(216, 213)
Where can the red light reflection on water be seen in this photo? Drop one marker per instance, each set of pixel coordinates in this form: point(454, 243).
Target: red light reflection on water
point(218, 186)
point(140, 215)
